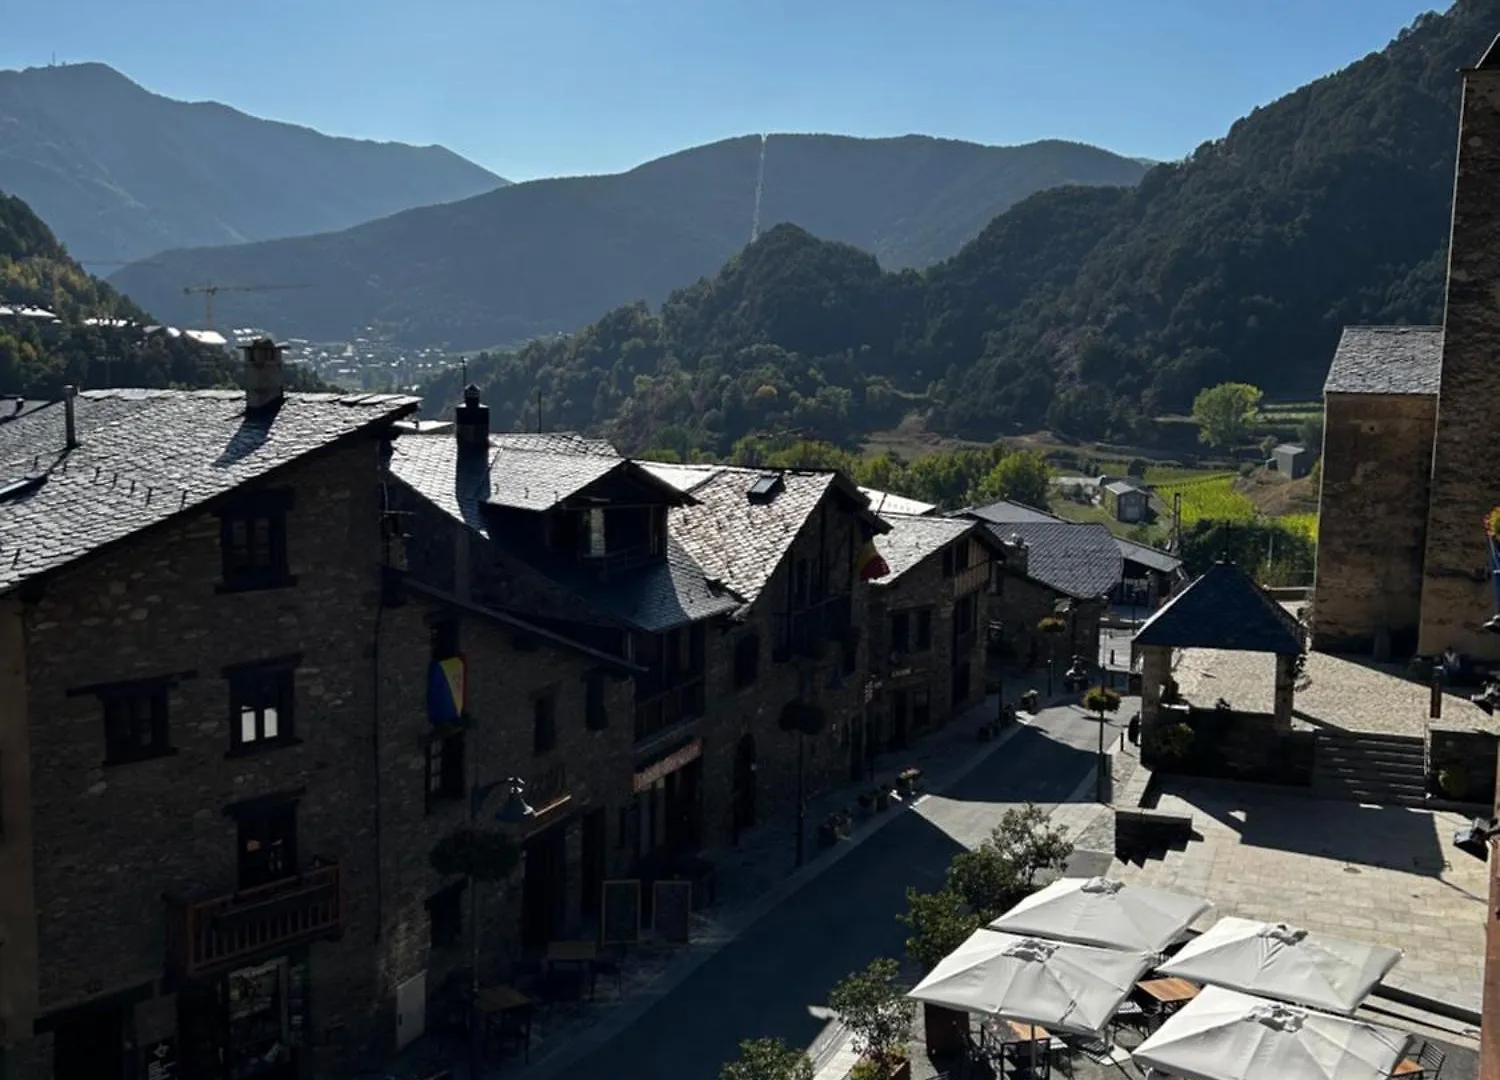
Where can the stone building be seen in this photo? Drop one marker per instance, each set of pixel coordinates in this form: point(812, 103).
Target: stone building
point(1069, 571)
point(928, 617)
point(190, 589)
point(1380, 407)
point(788, 671)
point(1407, 477)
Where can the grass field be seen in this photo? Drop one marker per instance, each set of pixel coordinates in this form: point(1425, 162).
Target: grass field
point(1306, 524)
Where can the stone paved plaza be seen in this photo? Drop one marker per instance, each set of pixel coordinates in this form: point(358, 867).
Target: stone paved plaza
point(1380, 874)
point(1335, 691)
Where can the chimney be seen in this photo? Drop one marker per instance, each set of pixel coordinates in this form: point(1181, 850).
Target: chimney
point(70, 419)
point(471, 421)
point(263, 387)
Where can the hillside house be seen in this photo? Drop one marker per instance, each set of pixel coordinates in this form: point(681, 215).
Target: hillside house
point(1291, 461)
point(1126, 502)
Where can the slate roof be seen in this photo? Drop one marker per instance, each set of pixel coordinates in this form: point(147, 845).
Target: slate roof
point(1223, 609)
point(1387, 360)
point(1149, 557)
point(886, 503)
point(529, 471)
point(737, 541)
point(1077, 559)
point(1006, 511)
point(145, 456)
point(1289, 448)
point(913, 538)
point(1121, 487)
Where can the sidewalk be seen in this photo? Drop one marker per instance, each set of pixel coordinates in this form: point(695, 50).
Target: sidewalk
point(760, 874)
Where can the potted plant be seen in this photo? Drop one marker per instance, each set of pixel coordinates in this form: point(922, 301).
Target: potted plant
point(866, 802)
point(768, 1059)
point(908, 781)
point(882, 798)
point(828, 833)
point(878, 1015)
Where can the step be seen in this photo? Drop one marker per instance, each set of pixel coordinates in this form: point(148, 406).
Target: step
point(1374, 750)
point(1368, 768)
point(1368, 737)
point(1378, 798)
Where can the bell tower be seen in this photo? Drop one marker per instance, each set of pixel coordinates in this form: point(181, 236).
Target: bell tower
point(1457, 596)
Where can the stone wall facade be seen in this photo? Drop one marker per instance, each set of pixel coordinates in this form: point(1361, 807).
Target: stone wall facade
point(930, 670)
point(1456, 592)
point(505, 673)
point(1019, 604)
point(111, 839)
point(1377, 460)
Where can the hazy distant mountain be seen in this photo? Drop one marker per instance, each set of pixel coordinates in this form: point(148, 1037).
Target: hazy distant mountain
point(120, 173)
point(550, 255)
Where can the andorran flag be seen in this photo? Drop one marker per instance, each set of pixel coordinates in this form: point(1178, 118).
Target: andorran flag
point(869, 563)
point(446, 690)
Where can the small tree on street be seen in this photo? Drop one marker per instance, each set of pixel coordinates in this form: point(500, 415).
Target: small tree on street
point(1030, 844)
point(768, 1059)
point(939, 922)
point(875, 1011)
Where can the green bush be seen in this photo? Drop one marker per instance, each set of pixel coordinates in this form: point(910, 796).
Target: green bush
point(1169, 745)
point(1455, 781)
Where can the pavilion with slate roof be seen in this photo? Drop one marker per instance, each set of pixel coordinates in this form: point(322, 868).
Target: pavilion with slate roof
point(1223, 609)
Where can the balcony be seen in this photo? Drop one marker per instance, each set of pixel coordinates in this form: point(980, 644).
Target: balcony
point(667, 708)
point(971, 579)
point(209, 935)
point(549, 790)
point(814, 629)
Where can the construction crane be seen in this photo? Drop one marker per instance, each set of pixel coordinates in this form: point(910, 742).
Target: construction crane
point(210, 291)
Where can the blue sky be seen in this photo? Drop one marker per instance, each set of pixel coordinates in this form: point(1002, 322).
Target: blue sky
point(533, 88)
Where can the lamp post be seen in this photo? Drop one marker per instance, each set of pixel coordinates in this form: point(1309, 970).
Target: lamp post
point(1101, 699)
point(514, 812)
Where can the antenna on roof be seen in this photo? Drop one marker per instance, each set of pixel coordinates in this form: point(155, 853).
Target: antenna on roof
point(463, 362)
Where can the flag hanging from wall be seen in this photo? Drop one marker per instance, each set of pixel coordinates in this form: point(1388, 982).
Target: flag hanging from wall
point(870, 564)
point(447, 687)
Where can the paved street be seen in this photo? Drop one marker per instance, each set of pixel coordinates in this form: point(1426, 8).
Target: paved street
point(774, 978)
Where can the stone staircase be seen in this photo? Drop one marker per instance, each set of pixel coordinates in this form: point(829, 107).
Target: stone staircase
point(1388, 770)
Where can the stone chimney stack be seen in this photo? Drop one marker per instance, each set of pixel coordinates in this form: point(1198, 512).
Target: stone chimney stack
point(471, 421)
point(70, 417)
point(263, 382)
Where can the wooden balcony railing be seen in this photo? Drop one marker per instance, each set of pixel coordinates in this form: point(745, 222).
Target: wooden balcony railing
point(668, 708)
point(549, 789)
point(971, 579)
point(217, 933)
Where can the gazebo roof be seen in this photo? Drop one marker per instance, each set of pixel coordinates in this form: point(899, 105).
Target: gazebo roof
point(1223, 609)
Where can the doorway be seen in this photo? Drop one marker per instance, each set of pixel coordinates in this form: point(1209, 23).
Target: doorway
point(90, 1045)
point(744, 784)
point(591, 872)
point(544, 887)
point(857, 737)
point(900, 719)
point(267, 845)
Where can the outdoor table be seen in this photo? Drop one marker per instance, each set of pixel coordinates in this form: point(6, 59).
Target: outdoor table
point(572, 952)
point(1408, 1067)
point(497, 1002)
point(1169, 993)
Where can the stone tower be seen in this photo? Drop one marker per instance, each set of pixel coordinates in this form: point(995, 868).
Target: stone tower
point(1456, 592)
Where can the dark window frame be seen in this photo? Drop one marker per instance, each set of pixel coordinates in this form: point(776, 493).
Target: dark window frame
point(444, 635)
point(544, 722)
point(595, 702)
point(445, 916)
point(745, 668)
point(921, 636)
point(900, 631)
point(123, 743)
point(243, 567)
point(258, 688)
point(446, 777)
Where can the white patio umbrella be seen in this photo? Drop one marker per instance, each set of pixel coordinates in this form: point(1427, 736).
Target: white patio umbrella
point(1054, 984)
point(1225, 1035)
point(1098, 911)
point(1281, 961)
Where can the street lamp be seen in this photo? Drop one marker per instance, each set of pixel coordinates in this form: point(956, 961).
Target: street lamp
point(1101, 699)
point(516, 811)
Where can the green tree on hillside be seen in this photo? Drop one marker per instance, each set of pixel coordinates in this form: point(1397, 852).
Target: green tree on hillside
point(1021, 476)
point(1225, 413)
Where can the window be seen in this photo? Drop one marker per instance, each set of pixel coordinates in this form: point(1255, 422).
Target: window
point(267, 841)
point(922, 636)
point(921, 708)
point(900, 631)
point(595, 712)
point(135, 723)
point(746, 660)
point(445, 639)
point(543, 723)
point(261, 704)
point(445, 915)
point(594, 543)
point(252, 541)
point(445, 767)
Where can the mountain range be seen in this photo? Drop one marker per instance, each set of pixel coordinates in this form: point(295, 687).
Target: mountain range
point(120, 173)
point(1091, 311)
point(547, 256)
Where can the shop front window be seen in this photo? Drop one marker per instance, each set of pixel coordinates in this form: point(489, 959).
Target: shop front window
point(266, 1005)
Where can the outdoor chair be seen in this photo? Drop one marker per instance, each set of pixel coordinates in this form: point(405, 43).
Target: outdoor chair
point(611, 964)
point(1431, 1059)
